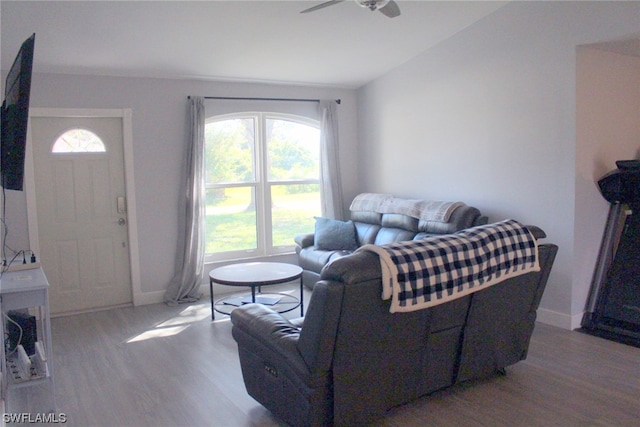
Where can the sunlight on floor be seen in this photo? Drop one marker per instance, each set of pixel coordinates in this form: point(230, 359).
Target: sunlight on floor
point(180, 322)
point(157, 333)
point(175, 325)
point(190, 314)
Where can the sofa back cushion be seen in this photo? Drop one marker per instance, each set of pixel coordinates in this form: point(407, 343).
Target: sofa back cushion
point(367, 226)
point(318, 334)
point(392, 235)
point(400, 221)
point(503, 317)
point(461, 218)
point(396, 228)
point(411, 354)
point(380, 229)
point(368, 217)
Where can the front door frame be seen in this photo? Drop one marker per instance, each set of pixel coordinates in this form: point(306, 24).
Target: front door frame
point(132, 224)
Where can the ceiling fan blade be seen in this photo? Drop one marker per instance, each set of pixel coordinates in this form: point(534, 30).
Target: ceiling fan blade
point(322, 5)
point(391, 9)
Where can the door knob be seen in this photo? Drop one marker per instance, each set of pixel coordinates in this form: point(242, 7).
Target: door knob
point(122, 221)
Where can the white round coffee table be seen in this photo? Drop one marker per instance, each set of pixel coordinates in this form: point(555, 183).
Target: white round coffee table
point(255, 275)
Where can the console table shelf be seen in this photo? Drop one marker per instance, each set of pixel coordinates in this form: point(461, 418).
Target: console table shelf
point(27, 290)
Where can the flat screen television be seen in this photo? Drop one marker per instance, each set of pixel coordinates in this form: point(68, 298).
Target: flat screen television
point(15, 117)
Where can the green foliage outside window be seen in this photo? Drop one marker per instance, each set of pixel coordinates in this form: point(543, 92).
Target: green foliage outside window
point(232, 160)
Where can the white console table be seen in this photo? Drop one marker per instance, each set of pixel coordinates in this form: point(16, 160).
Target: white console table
point(27, 289)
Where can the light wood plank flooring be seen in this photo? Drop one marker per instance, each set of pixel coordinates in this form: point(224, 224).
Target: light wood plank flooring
point(172, 366)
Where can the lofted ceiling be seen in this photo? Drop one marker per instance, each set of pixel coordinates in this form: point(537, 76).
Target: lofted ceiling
point(264, 41)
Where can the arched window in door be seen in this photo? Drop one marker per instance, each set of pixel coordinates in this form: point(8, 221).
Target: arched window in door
point(78, 141)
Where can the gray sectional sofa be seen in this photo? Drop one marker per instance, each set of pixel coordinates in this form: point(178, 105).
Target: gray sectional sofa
point(379, 220)
point(350, 359)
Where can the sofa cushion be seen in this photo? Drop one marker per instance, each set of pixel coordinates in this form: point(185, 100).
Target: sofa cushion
point(399, 221)
point(335, 235)
point(316, 259)
point(392, 235)
point(376, 228)
point(366, 233)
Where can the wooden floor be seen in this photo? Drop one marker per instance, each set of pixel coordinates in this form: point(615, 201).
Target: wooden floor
point(172, 366)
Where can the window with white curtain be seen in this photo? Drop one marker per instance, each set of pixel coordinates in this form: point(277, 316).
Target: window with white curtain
point(262, 177)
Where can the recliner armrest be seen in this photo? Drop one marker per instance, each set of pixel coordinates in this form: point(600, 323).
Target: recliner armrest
point(305, 240)
point(536, 231)
point(255, 323)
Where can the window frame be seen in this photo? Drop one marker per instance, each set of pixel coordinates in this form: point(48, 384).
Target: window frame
point(261, 185)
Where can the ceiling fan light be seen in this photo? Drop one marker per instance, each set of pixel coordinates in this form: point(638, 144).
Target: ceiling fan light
point(373, 4)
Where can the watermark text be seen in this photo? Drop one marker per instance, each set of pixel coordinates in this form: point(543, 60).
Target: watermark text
point(29, 418)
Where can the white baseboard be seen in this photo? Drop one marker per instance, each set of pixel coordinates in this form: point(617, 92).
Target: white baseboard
point(157, 297)
point(146, 298)
point(560, 320)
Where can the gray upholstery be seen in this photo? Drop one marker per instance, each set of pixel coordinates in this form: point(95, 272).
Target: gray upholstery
point(350, 360)
point(379, 229)
point(287, 370)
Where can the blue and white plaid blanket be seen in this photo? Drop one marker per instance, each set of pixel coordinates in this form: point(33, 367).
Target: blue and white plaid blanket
point(422, 273)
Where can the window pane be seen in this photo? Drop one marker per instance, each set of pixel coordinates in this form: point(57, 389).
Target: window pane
point(230, 222)
point(78, 141)
point(293, 150)
point(293, 209)
point(229, 148)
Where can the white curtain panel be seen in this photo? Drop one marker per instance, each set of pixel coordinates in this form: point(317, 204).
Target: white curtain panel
point(331, 183)
point(184, 287)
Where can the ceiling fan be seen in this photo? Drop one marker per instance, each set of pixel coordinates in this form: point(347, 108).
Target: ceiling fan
point(387, 7)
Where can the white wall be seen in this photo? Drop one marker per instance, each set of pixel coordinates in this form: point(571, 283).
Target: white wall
point(488, 117)
point(159, 133)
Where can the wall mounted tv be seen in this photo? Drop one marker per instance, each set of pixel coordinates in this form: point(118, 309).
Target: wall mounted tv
point(15, 117)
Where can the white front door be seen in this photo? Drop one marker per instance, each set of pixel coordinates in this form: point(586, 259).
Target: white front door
point(81, 210)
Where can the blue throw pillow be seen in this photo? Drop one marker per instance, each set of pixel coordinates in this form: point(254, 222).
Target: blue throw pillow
point(335, 235)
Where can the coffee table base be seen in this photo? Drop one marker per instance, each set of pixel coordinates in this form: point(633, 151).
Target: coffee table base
point(280, 302)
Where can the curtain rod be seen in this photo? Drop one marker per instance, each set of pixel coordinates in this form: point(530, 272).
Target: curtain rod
point(338, 101)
